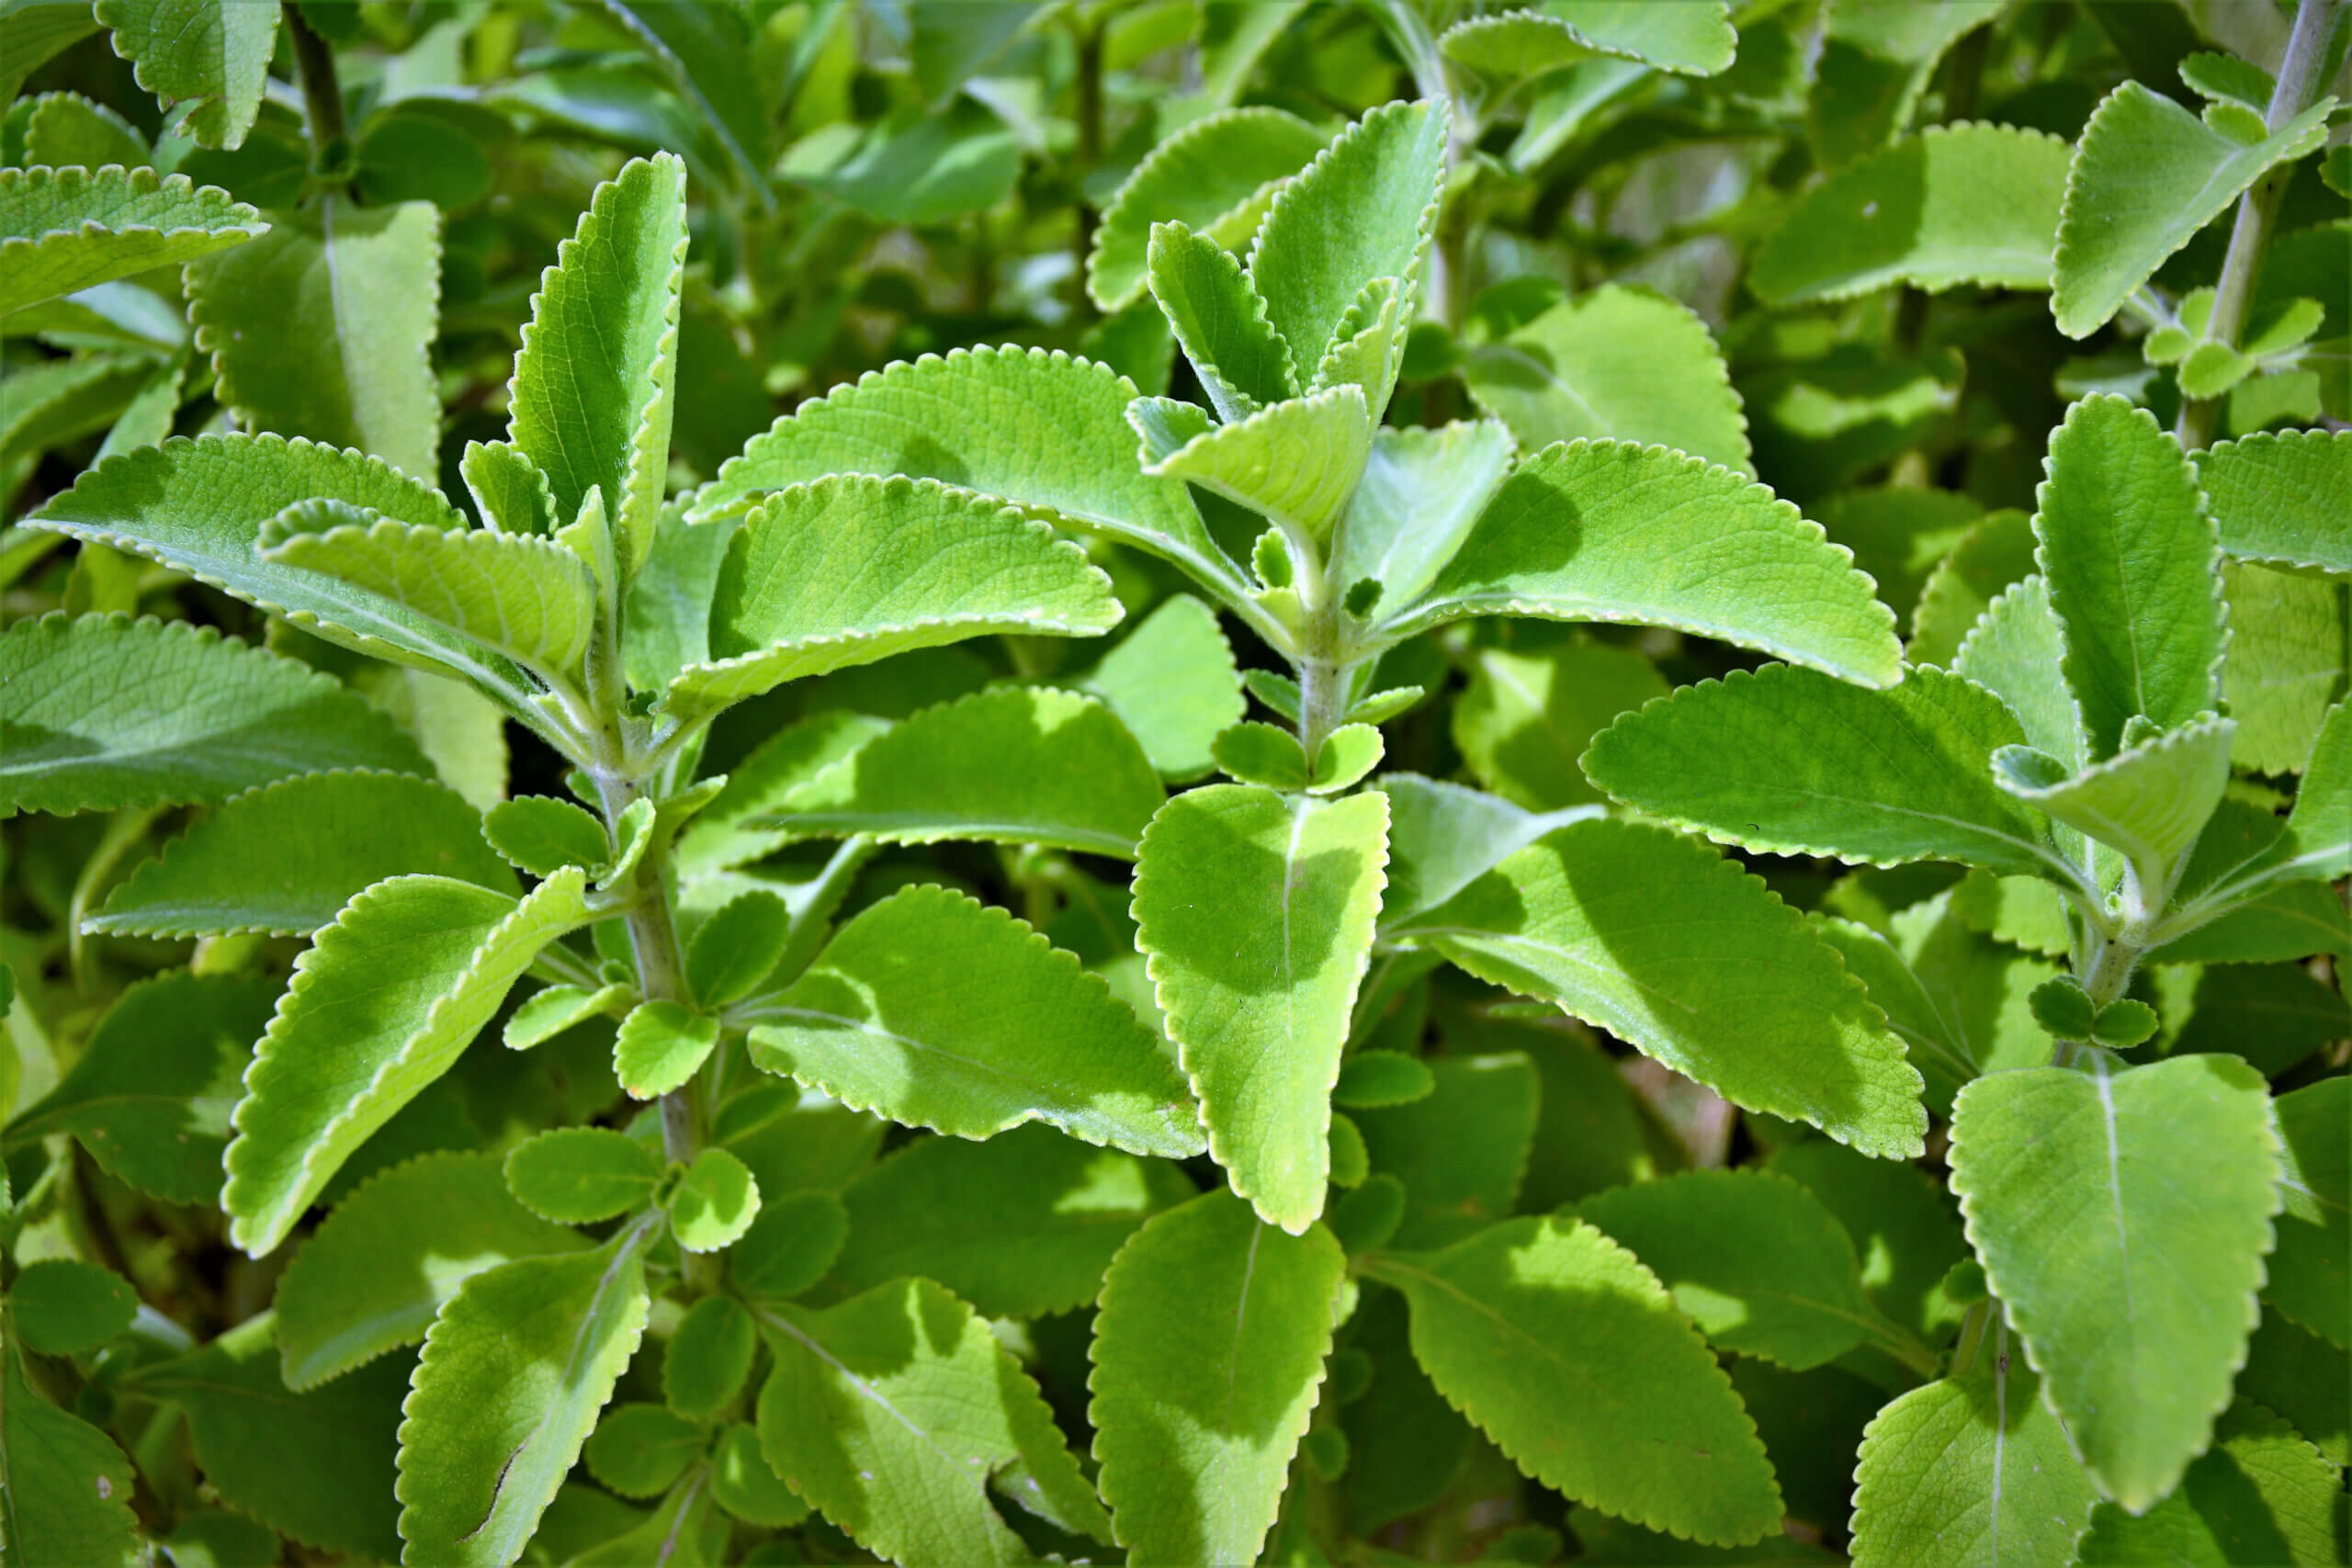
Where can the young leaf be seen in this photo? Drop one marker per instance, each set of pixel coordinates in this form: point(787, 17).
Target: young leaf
point(1364, 209)
point(1420, 492)
point(63, 230)
point(2310, 1278)
point(1015, 766)
point(1957, 204)
point(2275, 497)
point(63, 1306)
point(1537, 1316)
point(939, 1012)
point(105, 712)
point(2135, 1301)
point(1694, 39)
point(279, 859)
point(577, 1176)
point(1663, 539)
point(68, 1497)
point(639, 1449)
point(1619, 364)
point(1171, 681)
point(1220, 323)
point(714, 1203)
point(850, 569)
point(218, 55)
point(2147, 175)
point(925, 1410)
point(660, 1045)
point(380, 1006)
point(1295, 462)
point(2016, 650)
point(543, 833)
point(1598, 918)
point(1218, 176)
point(593, 383)
point(1020, 1226)
point(2259, 1494)
point(1442, 836)
point(1255, 912)
point(1264, 754)
point(709, 1358)
point(514, 1371)
point(2132, 562)
point(1208, 1357)
point(150, 1096)
point(791, 1245)
point(511, 494)
point(2150, 802)
point(1788, 760)
point(323, 326)
point(371, 1278)
point(734, 949)
point(1969, 1472)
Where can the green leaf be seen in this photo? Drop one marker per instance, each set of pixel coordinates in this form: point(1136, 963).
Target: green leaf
point(1421, 494)
point(1020, 1226)
point(1261, 754)
point(734, 949)
point(2259, 1494)
point(2150, 802)
point(1753, 1258)
point(2275, 497)
point(1043, 432)
point(1255, 913)
point(529, 598)
point(1014, 766)
point(1615, 363)
point(1364, 209)
point(280, 859)
point(2291, 654)
point(1904, 1226)
point(2016, 650)
point(939, 1011)
point(104, 712)
point(68, 1497)
point(513, 496)
point(721, 836)
point(577, 1176)
point(1372, 1079)
point(1295, 462)
point(382, 1004)
point(639, 1449)
point(1208, 1356)
point(1171, 681)
point(68, 128)
point(514, 1371)
point(150, 1096)
point(660, 1045)
point(2310, 1278)
point(1997, 551)
point(371, 1278)
point(2303, 1378)
point(312, 1465)
point(1442, 836)
point(1540, 1314)
point(850, 569)
point(1216, 175)
point(321, 328)
point(542, 834)
point(1462, 1152)
point(924, 1413)
point(1788, 760)
point(1220, 322)
point(593, 384)
point(918, 166)
point(791, 1245)
point(555, 1008)
point(1694, 39)
point(63, 230)
point(218, 55)
point(742, 1482)
point(1601, 918)
point(2135, 1301)
point(2133, 565)
point(708, 55)
point(1971, 1471)
point(63, 1306)
point(32, 33)
point(1527, 719)
point(709, 1358)
point(2147, 175)
point(1606, 531)
point(1957, 204)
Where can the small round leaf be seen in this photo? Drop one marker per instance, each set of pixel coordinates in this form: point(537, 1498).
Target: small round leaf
point(577, 1176)
point(714, 1203)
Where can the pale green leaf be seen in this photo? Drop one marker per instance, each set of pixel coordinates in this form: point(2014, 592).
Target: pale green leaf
point(638, 1449)
point(1442, 836)
point(580, 1175)
point(1513, 44)
point(63, 230)
point(1969, 1472)
point(1694, 38)
point(551, 1010)
point(1295, 462)
point(791, 1245)
point(282, 858)
point(2310, 1274)
point(939, 1012)
point(1267, 754)
point(2291, 656)
point(2261, 1495)
point(381, 1005)
point(1209, 1358)
point(1030, 766)
point(1220, 322)
point(1364, 209)
point(660, 1045)
point(1527, 719)
point(2133, 565)
point(2150, 802)
point(216, 54)
point(2147, 175)
point(2135, 1297)
point(1607, 531)
point(510, 493)
point(1615, 363)
point(708, 1360)
point(2279, 497)
point(516, 1369)
point(593, 384)
point(2016, 650)
point(1255, 913)
point(1171, 681)
point(1368, 346)
point(68, 1497)
point(1697, 964)
point(371, 1278)
point(1043, 431)
point(1540, 1315)
point(543, 833)
point(1420, 492)
point(1957, 204)
point(1997, 551)
point(321, 328)
point(736, 947)
point(1788, 760)
point(923, 1414)
point(1216, 175)
point(1376, 1078)
point(850, 569)
point(720, 835)
point(714, 1203)
point(103, 712)
point(1020, 1226)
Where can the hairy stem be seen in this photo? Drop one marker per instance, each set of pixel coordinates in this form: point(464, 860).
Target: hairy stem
point(2298, 84)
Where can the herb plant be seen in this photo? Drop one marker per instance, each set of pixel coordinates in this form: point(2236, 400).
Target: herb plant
point(566, 820)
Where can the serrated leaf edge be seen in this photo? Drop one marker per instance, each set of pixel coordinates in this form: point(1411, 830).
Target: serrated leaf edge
point(1203, 365)
point(1115, 212)
point(242, 217)
point(2270, 438)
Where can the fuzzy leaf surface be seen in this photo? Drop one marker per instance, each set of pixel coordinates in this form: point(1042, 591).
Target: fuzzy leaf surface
point(218, 55)
point(2279, 497)
point(1696, 39)
point(63, 230)
point(1295, 462)
point(2150, 802)
point(1172, 681)
point(1220, 322)
point(2310, 1278)
point(1442, 836)
point(1215, 175)
point(2260, 1495)
point(1420, 492)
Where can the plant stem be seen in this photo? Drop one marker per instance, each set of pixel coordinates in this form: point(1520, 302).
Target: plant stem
point(314, 62)
point(1089, 153)
point(2298, 84)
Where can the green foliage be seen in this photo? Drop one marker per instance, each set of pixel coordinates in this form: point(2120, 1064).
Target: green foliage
point(67, 230)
